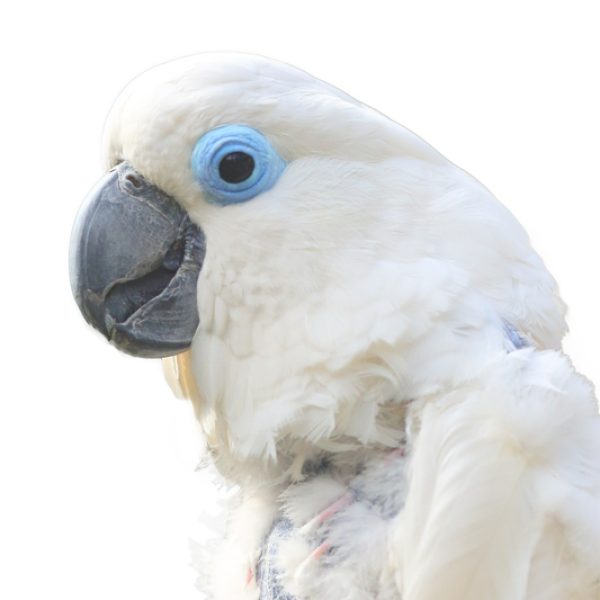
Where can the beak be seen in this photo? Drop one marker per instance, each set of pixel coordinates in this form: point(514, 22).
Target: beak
point(135, 258)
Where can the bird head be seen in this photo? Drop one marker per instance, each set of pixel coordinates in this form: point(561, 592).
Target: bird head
point(300, 242)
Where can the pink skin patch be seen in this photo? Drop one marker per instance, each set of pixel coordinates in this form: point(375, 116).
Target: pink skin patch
point(320, 550)
point(326, 514)
point(393, 455)
point(338, 505)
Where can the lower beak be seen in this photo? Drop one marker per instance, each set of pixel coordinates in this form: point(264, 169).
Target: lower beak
point(135, 258)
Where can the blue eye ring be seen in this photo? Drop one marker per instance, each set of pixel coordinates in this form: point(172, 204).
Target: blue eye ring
point(224, 142)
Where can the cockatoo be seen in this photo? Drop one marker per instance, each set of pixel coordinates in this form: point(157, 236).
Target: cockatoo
point(374, 346)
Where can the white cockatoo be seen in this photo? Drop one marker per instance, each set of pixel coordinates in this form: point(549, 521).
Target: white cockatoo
point(375, 346)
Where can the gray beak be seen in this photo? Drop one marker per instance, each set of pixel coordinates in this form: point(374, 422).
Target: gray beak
point(135, 258)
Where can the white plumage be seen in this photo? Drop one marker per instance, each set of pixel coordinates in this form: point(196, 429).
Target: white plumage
point(359, 306)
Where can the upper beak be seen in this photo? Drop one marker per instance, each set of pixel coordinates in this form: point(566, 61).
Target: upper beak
point(135, 258)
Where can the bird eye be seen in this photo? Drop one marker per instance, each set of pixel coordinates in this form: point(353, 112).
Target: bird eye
point(234, 163)
point(236, 167)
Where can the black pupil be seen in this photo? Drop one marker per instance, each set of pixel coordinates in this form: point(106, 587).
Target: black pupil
point(236, 167)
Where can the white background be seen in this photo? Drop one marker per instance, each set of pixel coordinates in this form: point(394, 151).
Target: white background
point(98, 491)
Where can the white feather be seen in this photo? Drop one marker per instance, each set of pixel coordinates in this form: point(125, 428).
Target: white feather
point(360, 306)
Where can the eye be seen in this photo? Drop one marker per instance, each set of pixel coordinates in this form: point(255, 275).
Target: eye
point(236, 167)
point(235, 163)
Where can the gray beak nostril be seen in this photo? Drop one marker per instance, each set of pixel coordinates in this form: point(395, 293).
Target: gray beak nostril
point(134, 181)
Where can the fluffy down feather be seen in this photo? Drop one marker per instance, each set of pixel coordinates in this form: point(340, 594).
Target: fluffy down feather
point(352, 352)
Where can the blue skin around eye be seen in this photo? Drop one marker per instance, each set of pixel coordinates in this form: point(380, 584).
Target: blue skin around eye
point(216, 144)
